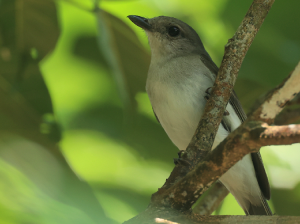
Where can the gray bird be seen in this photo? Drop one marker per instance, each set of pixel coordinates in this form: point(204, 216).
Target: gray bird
point(180, 73)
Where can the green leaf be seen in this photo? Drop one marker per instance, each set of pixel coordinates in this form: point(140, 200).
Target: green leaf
point(36, 182)
point(29, 30)
point(125, 55)
point(29, 24)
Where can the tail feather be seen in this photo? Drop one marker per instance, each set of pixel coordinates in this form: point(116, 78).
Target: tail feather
point(262, 209)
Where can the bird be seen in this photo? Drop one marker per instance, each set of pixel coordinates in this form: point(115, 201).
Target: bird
point(180, 75)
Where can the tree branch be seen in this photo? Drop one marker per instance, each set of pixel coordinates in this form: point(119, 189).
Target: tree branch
point(235, 52)
point(171, 216)
point(248, 138)
point(277, 135)
point(276, 99)
point(295, 101)
point(210, 202)
point(235, 219)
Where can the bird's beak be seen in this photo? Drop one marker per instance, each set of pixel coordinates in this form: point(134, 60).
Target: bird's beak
point(141, 22)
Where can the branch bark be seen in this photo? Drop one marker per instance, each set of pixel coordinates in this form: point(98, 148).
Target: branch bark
point(236, 219)
point(171, 216)
point(210, 203)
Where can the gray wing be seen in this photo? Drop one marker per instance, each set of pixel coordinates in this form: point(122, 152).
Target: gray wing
point(260, 172)
point(235, 103)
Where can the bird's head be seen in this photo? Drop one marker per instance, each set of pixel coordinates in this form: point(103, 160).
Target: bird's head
point(169, 37)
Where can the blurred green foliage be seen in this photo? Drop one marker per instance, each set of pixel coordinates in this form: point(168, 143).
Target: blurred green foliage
point(74, 77)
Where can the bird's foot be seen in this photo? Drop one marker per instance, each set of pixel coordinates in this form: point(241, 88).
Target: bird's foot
point(207, 95)
point(180, 153)
point(208, 91)
point(181, 160)
point(226, 113)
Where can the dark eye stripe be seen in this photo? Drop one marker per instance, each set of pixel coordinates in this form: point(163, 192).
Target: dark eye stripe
point(173, 31)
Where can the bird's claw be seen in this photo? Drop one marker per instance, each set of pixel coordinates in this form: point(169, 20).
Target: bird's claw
point(180, 153)
point(226, 113)
point(181, 161)
point(208, 91)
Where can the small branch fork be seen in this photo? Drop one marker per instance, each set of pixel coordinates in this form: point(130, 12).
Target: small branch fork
point(188, 182)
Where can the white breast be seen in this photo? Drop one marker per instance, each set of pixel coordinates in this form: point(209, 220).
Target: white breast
point(177, 97)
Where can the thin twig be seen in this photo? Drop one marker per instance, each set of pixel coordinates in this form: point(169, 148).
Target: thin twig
point(277, 135)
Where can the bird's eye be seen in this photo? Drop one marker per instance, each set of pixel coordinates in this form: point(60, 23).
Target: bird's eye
point(173, 31)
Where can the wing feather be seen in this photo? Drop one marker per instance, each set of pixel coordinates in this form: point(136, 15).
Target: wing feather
point(260, 172)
